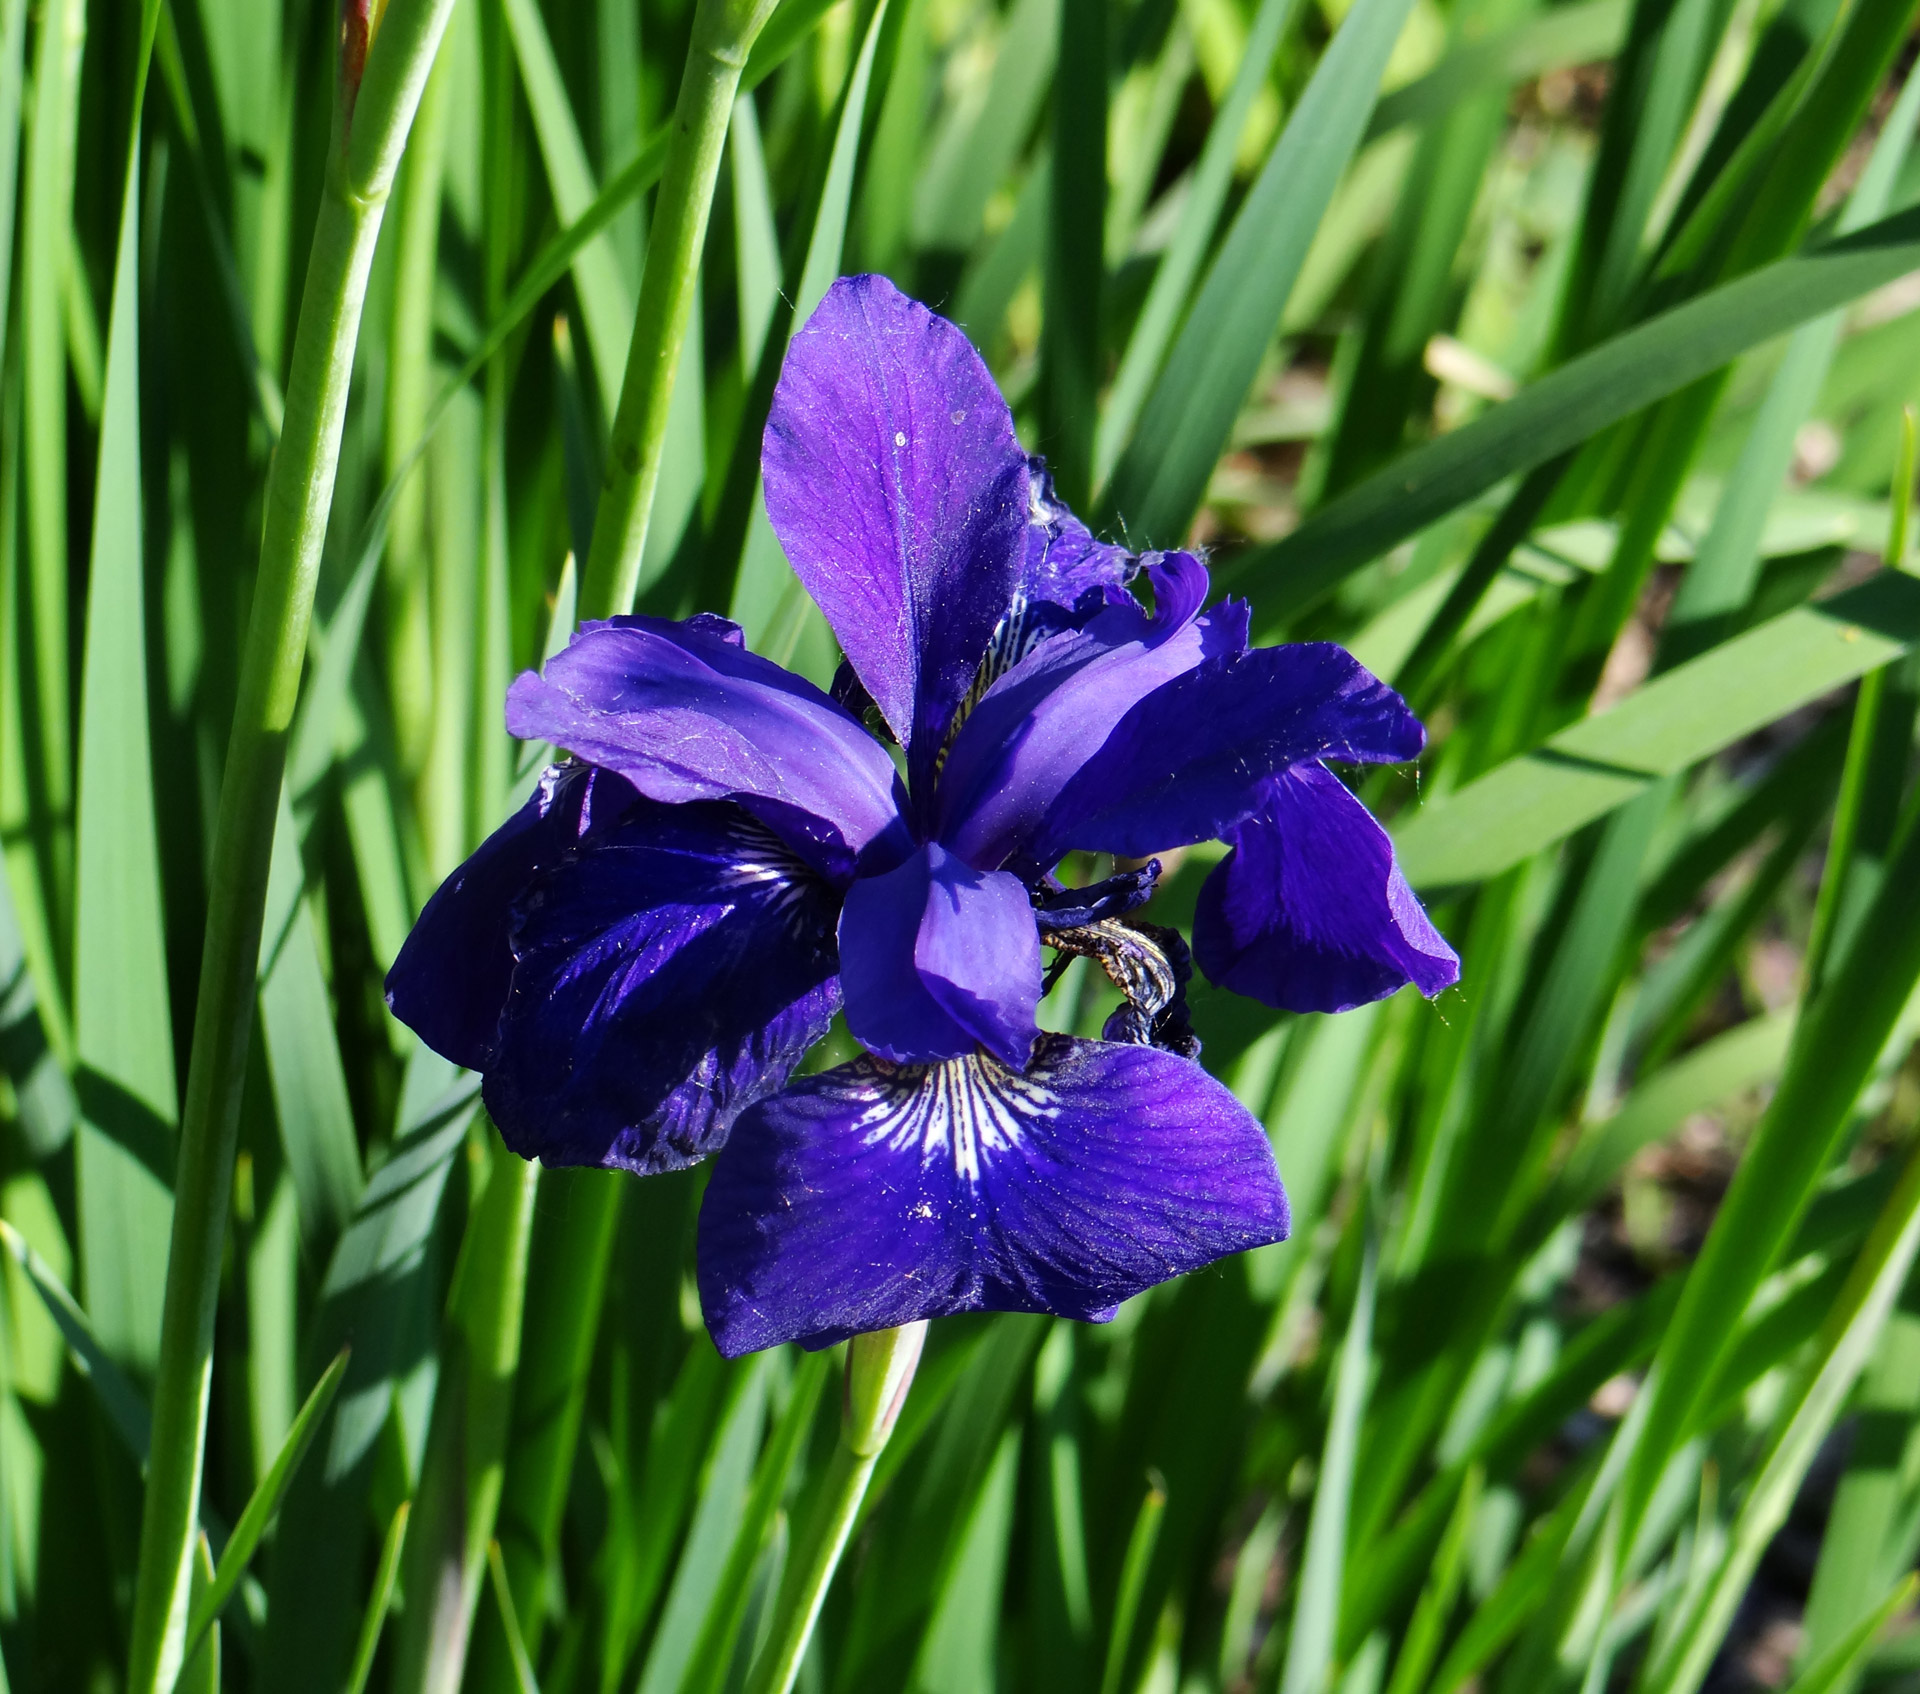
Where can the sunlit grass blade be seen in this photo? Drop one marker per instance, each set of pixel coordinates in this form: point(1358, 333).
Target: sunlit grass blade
point(1188, 418)
point(45, 244)
point(524, 1679)
point(1577, 34)
point(1074, 265)
point(1133, 1580)
point(379, 1599)
point(1848, 1340)
point(260, 1509)
point(1316, 1609)
point(129, 1103)
point(1612, 381)
point(1199, 215)
point(1664, 728)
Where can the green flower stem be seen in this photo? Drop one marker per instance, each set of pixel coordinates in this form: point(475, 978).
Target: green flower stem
point(880, 1370)
point(723, 34)
point(370, 131)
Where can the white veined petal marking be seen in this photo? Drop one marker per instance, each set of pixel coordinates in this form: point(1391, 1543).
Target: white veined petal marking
point(969, 1110)
point(766, 862)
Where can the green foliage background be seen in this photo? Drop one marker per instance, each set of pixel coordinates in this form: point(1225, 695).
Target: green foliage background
point(1551, 356)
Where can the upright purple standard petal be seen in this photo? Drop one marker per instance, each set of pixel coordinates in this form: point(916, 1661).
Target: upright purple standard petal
point(662, 983)
point(1098, 1172)
point(1187, 763)
point(1309, 912)
point(936, 958)
point(685, 713)
point(896, 486)
point(1048, 715)
point(450, 981)
point(1063, 558)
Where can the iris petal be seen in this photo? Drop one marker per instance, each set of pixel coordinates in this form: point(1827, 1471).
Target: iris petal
point(451, 979)
point(1188, 762)
point(1042, 721)
point(899, 493)
point(1309, 912)
point(937, 957)
point(662, 983)
point(874, 1195)
point(685, 713)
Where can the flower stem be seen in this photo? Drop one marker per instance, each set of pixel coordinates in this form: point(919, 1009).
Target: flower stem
point(378, 96)
point(880, 1370)
point(723, 34)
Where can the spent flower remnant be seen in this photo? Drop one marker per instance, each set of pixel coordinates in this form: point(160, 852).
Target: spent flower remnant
point(640, 958)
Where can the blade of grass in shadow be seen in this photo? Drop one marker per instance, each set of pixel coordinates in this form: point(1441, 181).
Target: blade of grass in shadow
point(1560, 411)
point(1133, 1580)
point(461, 1468)
point(378, 1294)
point(1188, 417)
point(1075, 269)
point(303, 1053)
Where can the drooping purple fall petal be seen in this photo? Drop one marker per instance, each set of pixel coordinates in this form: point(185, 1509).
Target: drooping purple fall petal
point(450, 981)
point(663, 982)
point(1187, 763)
point(936, 958)
point(899, 493)
point(1100, 1172)
point(1309, 912)
point(684, 713)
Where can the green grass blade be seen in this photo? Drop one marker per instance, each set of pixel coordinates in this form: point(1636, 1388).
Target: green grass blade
point(1578, 34)
point(707, 1669)
point(43, 1097)
point(1839, 1667)
point(765, 580)
point(118, 1397)
point(1180, 264)
point(1075, 268)
point(606, 298)
point(201, 1672)
point(128, 1097)
point(1664, 728)
point(1316, 1610)
point(260, 1509)
point(1133, 1582)
point(959, 1648)
point(1851, 1331)
point(1835, 1048)
point(44, 249)
point(379, 1599)
point(524, 1679)
point(1188, 418)
point(971, 155)
point(1612, 381)
point(303, 1055)
point(721, 1502)
point(379, 1292)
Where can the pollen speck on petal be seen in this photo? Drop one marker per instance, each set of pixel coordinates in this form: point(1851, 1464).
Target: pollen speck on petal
point(899, 438)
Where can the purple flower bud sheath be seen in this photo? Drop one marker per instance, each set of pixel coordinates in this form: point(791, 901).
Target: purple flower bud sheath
point(638, 961)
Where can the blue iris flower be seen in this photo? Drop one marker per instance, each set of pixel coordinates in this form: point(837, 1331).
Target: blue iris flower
point(640, 958)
